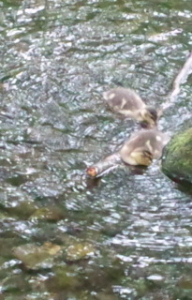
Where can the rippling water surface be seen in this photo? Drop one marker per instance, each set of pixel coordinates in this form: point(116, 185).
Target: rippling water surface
point(126, 236)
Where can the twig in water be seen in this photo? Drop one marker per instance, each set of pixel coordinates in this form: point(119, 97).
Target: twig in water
point(180, 78)
point(104, 166)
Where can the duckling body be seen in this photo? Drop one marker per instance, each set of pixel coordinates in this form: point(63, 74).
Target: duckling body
point(129, 104)
point(139, 150)
point(143, 147)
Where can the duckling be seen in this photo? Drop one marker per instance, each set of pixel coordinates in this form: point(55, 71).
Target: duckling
point(128, 103)
point(139, 150)
point(143, 147)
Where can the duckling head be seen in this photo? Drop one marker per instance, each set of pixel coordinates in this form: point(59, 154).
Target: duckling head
point(149, 117)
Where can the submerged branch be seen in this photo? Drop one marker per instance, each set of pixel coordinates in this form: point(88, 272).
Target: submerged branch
point(180, 78)
point(104, 166)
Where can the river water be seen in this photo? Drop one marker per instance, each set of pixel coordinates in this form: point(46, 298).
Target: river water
point(128, 235)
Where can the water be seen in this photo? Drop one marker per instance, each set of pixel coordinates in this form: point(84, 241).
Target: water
point(126, 236)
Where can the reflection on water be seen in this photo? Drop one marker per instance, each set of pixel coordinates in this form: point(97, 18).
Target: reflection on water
point(127, 235)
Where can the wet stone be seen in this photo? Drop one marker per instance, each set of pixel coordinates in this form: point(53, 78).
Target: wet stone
point(65, 277)
point(177, 157)
point(79, 250)
point(185, 282)
point(15, 283)
point(47, 213)
point(37, 257)
point(155, 278)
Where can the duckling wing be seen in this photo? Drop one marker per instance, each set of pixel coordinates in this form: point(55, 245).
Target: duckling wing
point(124, 101)
point(132, 157)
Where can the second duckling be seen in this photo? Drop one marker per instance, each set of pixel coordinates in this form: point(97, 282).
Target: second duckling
point(129, 104)
point(139, 150)
point(143, 146)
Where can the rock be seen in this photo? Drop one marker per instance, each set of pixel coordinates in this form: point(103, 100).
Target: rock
point(185, 282)
point(66, 277)
point(79, 250)
point(155, 278)
point(177, 157)
point(37, 257)
point(47, 213)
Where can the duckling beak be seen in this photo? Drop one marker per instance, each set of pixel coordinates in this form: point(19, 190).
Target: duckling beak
point(148, 118)
point(148, 125)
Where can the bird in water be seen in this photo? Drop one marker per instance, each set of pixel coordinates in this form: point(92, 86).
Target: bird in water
point(129, 104)
point(139, 150)
point(143, 146)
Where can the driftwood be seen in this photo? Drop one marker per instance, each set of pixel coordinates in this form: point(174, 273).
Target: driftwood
point(181, 78)
point(104, 166)
point(113, 161)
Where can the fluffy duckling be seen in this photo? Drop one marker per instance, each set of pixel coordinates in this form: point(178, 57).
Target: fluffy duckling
point(139, 150)
point(128, 103)
point(143, 147)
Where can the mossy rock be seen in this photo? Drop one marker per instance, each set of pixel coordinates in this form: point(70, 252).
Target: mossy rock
point(79, 250)
point(47, 213)
point(177, 157)
point(37, 257)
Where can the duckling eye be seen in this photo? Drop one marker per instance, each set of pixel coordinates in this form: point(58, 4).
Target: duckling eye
point(147, 154)
point(144, 124)
point(153, 114)
point(153, 117)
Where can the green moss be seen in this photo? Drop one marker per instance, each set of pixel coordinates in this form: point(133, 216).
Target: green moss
point(181, 142)
point(177, 158)
point(66, 277)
